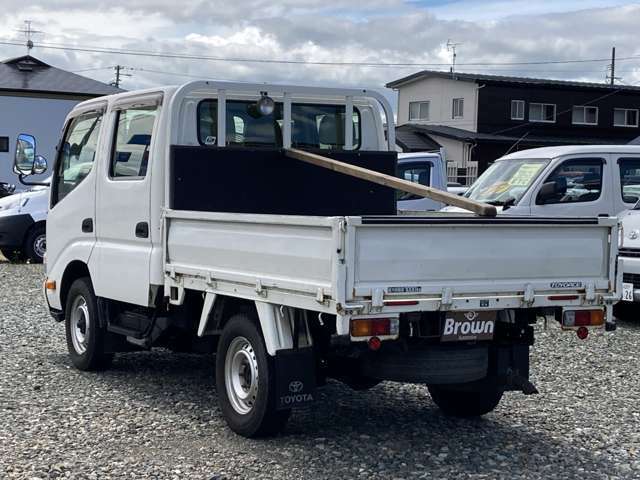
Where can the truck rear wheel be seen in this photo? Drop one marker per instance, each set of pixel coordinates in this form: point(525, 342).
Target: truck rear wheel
point(245, 380)
point(85, 337)
point(465, 403)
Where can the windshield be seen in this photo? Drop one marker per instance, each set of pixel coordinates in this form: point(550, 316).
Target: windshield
point(506, 181)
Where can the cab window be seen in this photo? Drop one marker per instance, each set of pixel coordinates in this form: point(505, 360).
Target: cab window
point(630, 179)
point(132, 139)
point(578, 180)
point(312, 126)
point(76, 154)
point(416, 173)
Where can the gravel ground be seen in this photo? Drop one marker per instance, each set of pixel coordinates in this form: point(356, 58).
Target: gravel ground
point(154, 415)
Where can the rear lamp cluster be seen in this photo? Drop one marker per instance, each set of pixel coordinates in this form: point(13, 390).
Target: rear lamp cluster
point(582, 318)
point(374, 327)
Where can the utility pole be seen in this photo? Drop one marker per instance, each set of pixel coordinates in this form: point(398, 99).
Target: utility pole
point(118, 69)
point(611, 68)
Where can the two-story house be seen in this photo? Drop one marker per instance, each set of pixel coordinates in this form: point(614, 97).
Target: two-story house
point(477, 118)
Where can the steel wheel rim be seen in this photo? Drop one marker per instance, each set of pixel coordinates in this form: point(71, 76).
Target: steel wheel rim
point(241, 375)
point(40, 245)
point(80, 325)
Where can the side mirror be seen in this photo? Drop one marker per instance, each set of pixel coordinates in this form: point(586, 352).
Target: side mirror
point(25, 160)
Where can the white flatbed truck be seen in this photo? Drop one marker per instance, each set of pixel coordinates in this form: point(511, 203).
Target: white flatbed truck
point(179, 218)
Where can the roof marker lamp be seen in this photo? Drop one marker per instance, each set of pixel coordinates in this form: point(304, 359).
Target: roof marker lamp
point(263, 107)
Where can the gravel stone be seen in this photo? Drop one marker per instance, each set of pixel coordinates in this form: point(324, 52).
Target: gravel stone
point(154, 415)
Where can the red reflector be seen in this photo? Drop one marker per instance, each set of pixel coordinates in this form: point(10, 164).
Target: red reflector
point(375, 343)
point(381, 326)
point(582, 332)
point(401, 302)
point(563, 297)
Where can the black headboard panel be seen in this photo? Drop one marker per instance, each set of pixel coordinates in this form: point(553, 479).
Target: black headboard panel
point(242, 180)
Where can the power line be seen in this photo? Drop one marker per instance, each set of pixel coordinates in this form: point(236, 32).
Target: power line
point(149, 53)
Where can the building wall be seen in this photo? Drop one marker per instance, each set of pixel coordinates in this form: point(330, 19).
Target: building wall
point(41, 117)
point(440, 92)
point(494, 111)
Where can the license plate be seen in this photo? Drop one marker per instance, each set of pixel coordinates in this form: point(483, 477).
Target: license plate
point(466, 326)
point(627, 292)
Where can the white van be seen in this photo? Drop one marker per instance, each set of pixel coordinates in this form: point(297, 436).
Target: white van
point(23, 219)
point(588, 180)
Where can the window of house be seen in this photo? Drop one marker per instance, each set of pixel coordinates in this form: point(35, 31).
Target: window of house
point(76, 155)
point(312, 125)
point(517, 109)
point(625, 117)
point(584, 115)
point(457, 110)
point(418, 110)
point(4, 144)
point(416, 173)
point(576, 180)
point(542, 112)
point(630, 179)
point(130, 156)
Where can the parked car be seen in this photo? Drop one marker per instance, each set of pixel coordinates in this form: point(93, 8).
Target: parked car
point(425, 168)
point(187, 230)
point(23, 219)
point(585, 180)
point(6, 189)
point(629, 257)
point(456, 188)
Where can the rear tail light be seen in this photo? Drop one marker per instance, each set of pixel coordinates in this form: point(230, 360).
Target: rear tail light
point(582, 318)
point(374, 327)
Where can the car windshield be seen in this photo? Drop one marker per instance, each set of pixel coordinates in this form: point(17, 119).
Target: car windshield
point(506, 181)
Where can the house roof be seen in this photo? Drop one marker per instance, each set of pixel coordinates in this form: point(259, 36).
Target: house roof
point(413, 140)
point(468, 136)
point(478, 77)
point(28, 74)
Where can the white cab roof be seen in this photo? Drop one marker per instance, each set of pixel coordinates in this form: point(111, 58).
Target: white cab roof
point(553, 152)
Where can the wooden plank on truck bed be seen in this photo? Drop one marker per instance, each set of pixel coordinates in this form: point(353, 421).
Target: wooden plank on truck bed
point(392, 182)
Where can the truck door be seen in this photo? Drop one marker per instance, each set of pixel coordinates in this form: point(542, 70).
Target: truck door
point(578, 186)
point(70, 232)
point(626, 190)
point(123, 247)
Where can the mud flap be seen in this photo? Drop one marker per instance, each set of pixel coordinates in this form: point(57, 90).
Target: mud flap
point(295, 377)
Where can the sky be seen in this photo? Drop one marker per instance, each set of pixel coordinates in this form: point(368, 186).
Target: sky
point(374, 31)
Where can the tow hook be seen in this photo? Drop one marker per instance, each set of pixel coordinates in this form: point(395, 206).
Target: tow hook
point(610, 327)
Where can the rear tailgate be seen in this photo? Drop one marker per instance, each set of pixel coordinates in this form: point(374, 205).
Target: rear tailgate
point(463, 261)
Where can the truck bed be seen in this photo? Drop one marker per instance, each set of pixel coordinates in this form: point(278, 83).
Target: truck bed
point(348, 265)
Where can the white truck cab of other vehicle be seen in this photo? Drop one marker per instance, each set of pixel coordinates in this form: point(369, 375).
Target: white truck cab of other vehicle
point(584, 180)
point(425, 168)
point(23, 219)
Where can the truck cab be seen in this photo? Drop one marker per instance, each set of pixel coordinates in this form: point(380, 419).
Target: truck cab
point(216, 217)
point(425, 168)
point(587, 180)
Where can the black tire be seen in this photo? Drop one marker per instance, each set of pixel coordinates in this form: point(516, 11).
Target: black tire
point(262, 418)
point(81, 305)
point(35, 244)
point(465, 403)
point(11, 254)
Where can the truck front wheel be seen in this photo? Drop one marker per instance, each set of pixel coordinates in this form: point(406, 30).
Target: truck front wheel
point(465, 403)
point(85, 336)
point(245, 380)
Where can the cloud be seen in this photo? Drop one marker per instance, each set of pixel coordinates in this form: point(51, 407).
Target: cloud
point(393, 31)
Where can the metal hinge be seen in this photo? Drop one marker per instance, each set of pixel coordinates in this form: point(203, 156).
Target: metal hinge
point(529, 294)
point(590, 292)
point(447, 296)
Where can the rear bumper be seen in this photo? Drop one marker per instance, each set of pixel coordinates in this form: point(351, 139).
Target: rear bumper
point(13, 229)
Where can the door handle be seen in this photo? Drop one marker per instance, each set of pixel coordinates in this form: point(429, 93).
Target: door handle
point(87, 225)
point(142, 230)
